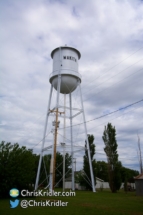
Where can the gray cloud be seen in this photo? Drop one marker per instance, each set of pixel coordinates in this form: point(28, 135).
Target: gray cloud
point(109, 37)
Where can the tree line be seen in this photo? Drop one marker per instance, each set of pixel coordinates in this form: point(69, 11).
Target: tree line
point(111, 171)
point(18, 166)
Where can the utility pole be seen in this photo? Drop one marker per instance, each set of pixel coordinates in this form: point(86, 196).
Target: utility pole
point(56, 124)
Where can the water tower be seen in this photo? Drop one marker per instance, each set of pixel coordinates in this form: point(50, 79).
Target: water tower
point(65, 78)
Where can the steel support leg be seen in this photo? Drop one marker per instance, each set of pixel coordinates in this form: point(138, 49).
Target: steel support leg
point(43, 140)
point(70, 99)
point(88, 149)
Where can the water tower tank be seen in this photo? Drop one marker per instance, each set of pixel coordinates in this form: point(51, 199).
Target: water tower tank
point(65, 62)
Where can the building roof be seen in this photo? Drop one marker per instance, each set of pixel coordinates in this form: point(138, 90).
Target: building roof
point(66, 47)
point(140, 176)
point(99, 179)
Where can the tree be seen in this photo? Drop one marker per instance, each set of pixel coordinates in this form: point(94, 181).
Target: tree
point(125, 185)
point(117, 175)
point(45, 169)
point(128, 174)
point(59, 167)
point(114, 166)
point(85, 177)
point(16, 167)
point(102, 170)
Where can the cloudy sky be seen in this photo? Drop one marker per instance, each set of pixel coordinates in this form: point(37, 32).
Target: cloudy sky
point(109, 35)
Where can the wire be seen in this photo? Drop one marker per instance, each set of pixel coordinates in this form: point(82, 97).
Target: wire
point(112, 119)
point(113, 84)
point(106, 114)
point(115, 75)
point(40, 141)
point(101, 76)
point(117, 64)
point(95, 119)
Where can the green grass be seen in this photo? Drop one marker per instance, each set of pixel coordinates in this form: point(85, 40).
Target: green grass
point(85, 202)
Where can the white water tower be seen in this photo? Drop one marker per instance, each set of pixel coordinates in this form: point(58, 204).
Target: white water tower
point(65, 78)
point(65, 63)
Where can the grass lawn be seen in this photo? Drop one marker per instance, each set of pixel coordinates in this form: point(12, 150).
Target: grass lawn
point(85, 202)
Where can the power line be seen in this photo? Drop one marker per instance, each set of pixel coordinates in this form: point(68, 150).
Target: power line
point(115, 75)
point(117, 64)
point(113, 84)
point(100, 91)
point(106, 114)
point(104, 73)
point(111, 120)
point(102, 116)
point(97, 118)
point(40, 141)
